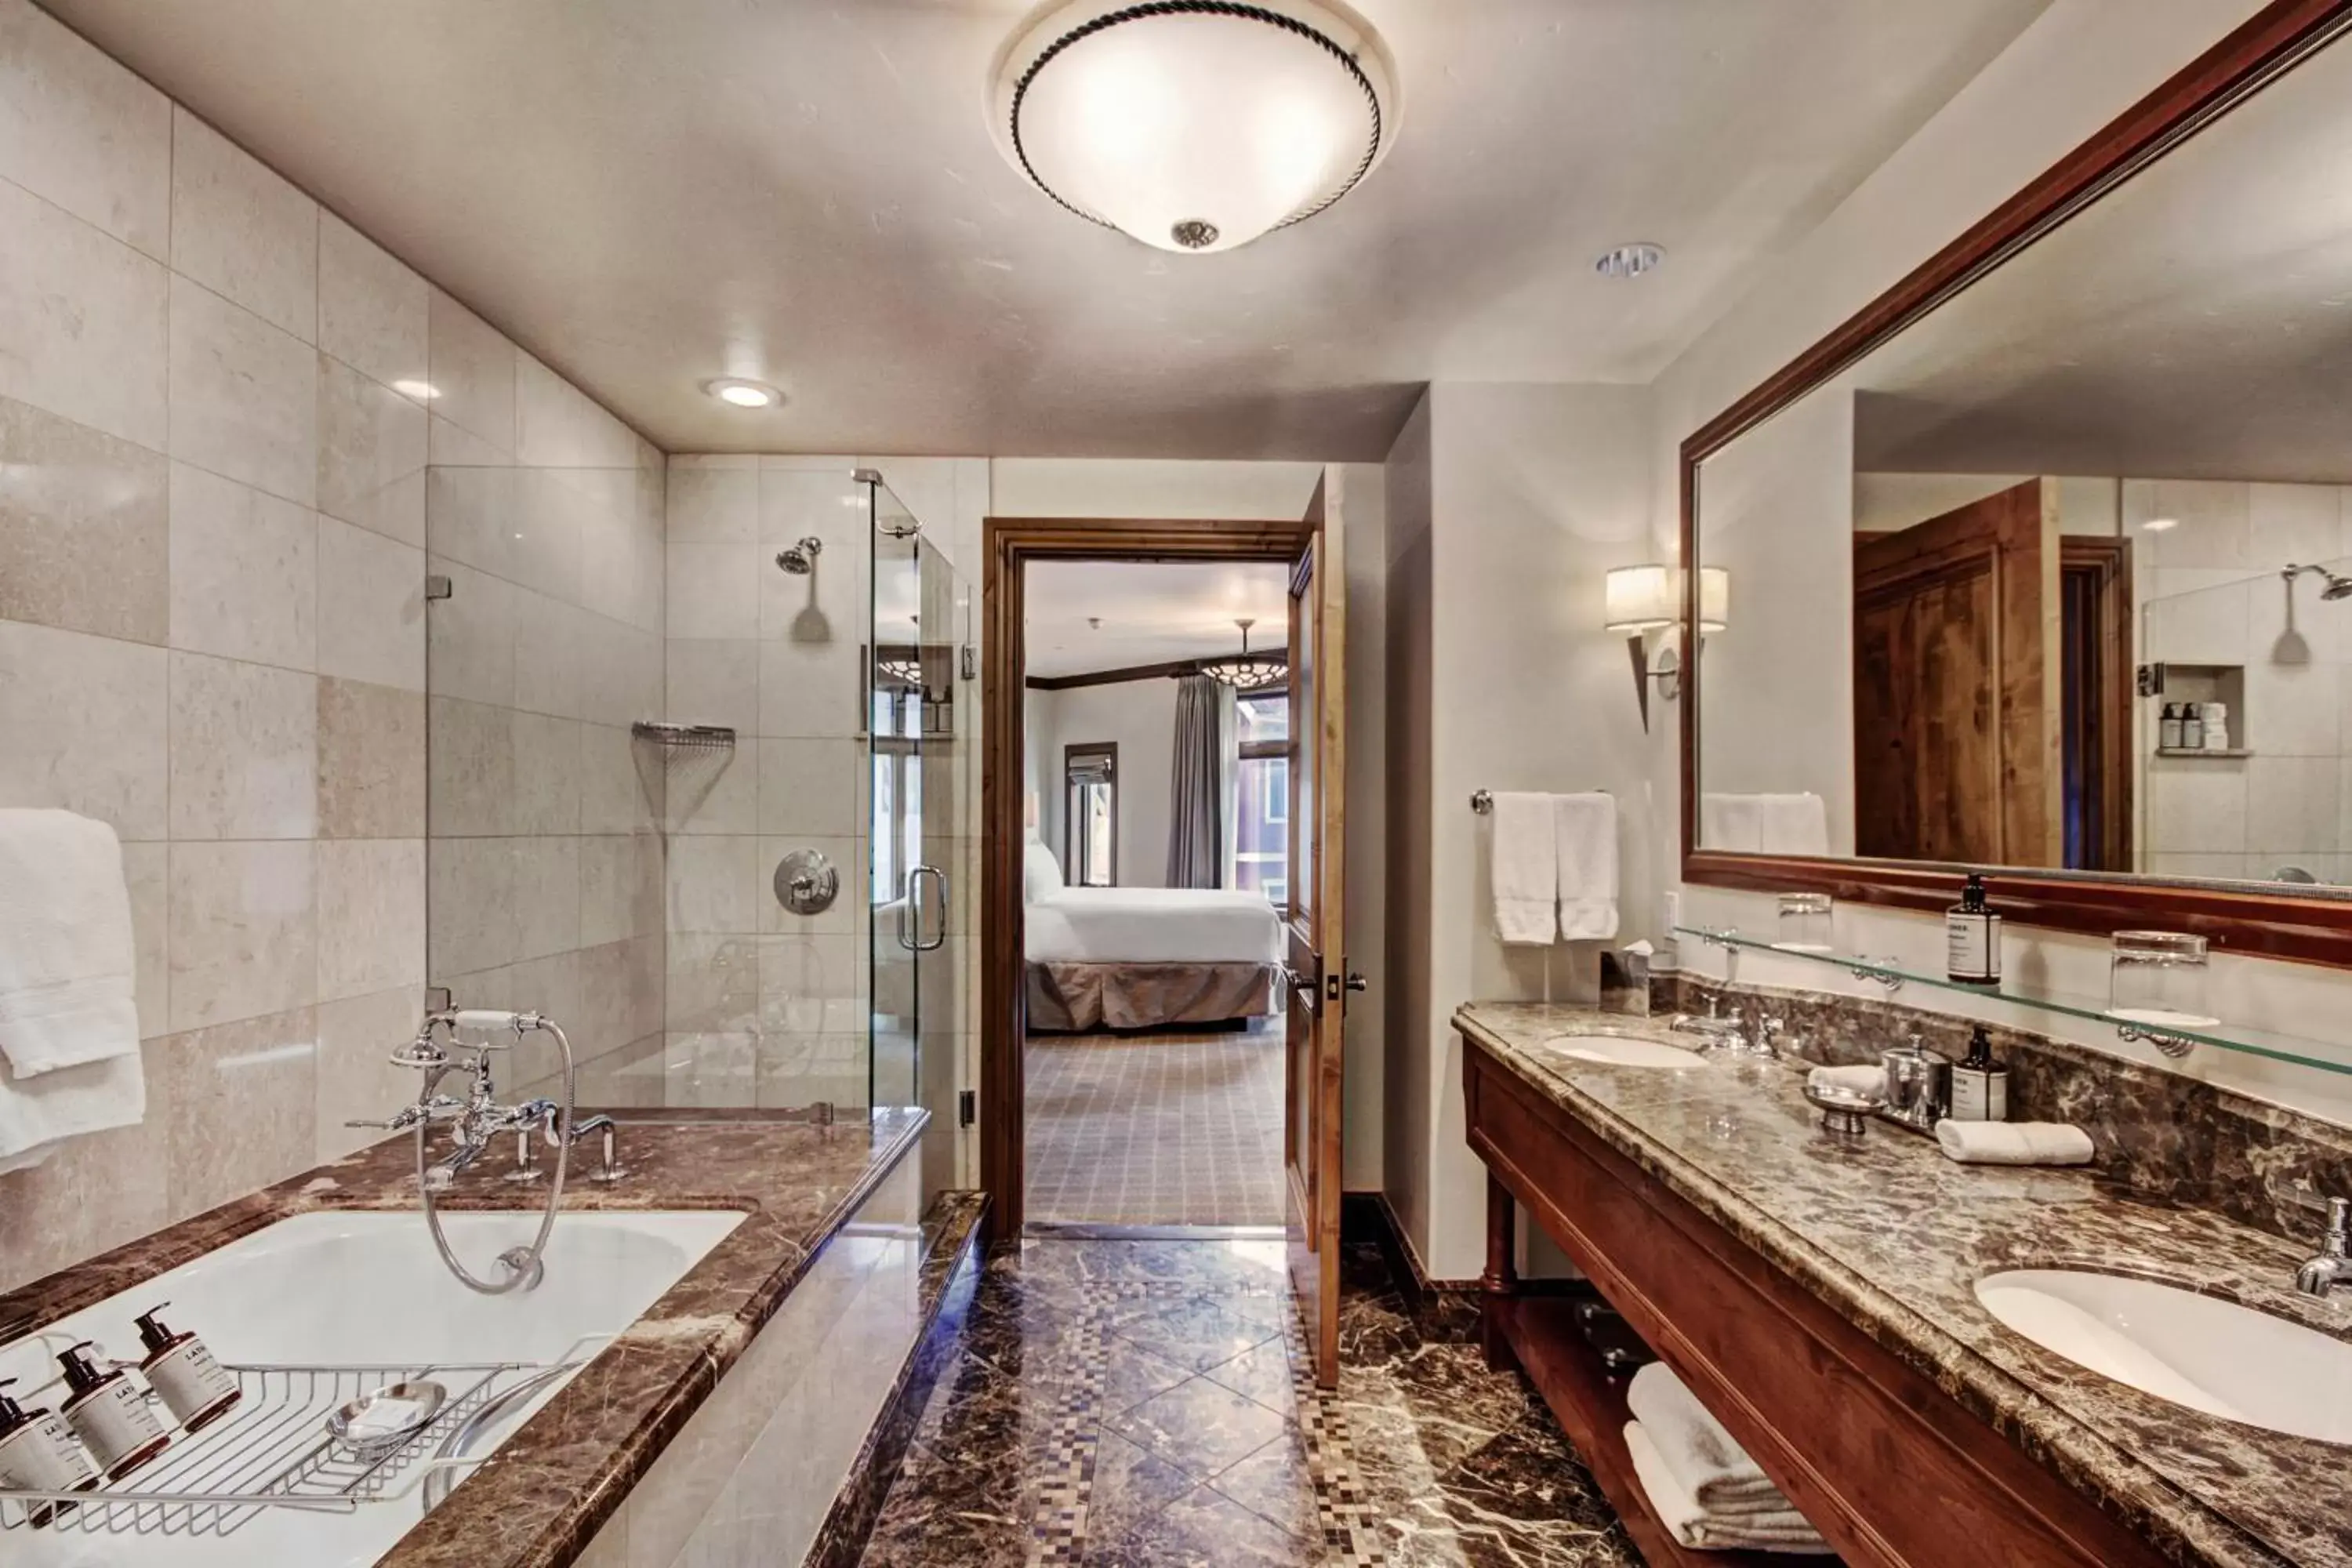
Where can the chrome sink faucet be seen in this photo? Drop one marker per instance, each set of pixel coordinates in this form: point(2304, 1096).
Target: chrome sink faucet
point(1732, 1035)
point(2322, 1273)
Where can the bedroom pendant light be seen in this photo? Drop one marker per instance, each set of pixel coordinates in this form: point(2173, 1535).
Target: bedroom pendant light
point(1196, 125)
point(1248, 672)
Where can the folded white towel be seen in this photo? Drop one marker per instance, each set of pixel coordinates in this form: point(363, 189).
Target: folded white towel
point(1702, 1529)
point(66, 960)
point(2013, 1142)
point(1588, 866)
point(1863, 1079)
point(1705, 1460)
point(1524, 853)
point(1792, 825)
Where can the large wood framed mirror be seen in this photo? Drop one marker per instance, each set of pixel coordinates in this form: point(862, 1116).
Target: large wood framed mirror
point(2042, 563)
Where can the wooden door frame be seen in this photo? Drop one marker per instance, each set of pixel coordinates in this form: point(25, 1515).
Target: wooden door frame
point(1009, 545)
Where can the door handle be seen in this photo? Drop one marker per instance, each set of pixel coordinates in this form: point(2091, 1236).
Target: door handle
point(915, 903)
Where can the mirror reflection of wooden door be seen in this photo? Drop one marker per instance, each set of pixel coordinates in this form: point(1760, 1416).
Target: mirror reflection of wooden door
point(1957, 663)
point(1319, 983)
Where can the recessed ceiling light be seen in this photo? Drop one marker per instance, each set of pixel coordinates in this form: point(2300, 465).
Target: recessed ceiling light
point(1630, 260)
point(744, 393)
point(2159, 524)
point(1196, 125)
point(422, 390)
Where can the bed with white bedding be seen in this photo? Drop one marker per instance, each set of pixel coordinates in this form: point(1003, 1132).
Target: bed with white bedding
point(1135, 958)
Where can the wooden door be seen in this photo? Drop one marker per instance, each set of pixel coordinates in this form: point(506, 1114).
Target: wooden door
point(1955, 675)
point(1319, 982)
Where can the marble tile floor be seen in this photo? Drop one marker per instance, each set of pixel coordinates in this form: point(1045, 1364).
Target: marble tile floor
point(1146, 1403)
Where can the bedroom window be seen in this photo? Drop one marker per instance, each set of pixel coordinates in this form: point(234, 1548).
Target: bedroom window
point(1090, 816)
point(897, 729)
point(1262, 825)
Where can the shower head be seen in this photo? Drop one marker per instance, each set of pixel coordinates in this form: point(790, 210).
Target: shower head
point(2339, 586)
point(800, 559)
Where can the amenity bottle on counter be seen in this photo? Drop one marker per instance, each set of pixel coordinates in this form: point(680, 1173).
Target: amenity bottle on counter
point(1972, 938)
point(196, 1389)
point(110, 1415)
point(1979, 1084)
point(38, 1453)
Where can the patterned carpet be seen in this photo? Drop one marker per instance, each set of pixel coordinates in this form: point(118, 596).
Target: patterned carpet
point(1156, 1129)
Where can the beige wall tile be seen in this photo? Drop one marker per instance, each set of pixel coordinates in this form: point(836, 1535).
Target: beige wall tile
point(809, 688)
point(244, 396)
point(713, 984)
point(471, 886)
point(371, 915)
point(88, 726)
point(608, 885)
point(370, 454)
point(620, 675)
point(371, 760)
point(83, 326)
point(808, 787)
point(548, 637)
point(472, 794)
point(711, 1070)
point(372, 309)
point(453, 446)
point(713, 885)
point(240, 230)
point(93, 1193)
point(811, 985)
point(243, 1106)
point(713, 791)
point(713, 591)
point(622, 781)
point(244, 750)
point(713, 504)
point(470, 636)
point(84, 527)
point(356, 1079)
point(243, 930)
point(546, 774)
point(543, 532)
point(547, 895)
point(80, 129)
point(469, 514)
point(473, 375)
point(245, 571)
point(147, 873)
point(715, 683)
point(370, 607)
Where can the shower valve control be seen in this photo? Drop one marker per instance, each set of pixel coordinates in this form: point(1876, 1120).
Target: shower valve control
point(806, 882)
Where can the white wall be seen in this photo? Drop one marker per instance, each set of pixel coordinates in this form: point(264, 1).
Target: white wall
point(1140, 718)
point(1508, 504)
point(2081, 64)
point(1148, 488)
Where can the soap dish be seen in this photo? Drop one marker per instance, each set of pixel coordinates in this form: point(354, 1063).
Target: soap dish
point(377, 1424)
point(1844, 1111)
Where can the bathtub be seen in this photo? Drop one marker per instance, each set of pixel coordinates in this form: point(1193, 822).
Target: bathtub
point(359, 1289)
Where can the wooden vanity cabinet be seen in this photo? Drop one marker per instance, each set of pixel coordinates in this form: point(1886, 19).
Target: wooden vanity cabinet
point(1890, 1469)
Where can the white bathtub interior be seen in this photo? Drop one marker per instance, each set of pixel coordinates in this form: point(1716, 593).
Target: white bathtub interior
point(363, 1289)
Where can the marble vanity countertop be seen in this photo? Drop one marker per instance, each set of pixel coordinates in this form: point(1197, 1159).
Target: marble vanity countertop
point(537, 1503)
point(1893, 1236)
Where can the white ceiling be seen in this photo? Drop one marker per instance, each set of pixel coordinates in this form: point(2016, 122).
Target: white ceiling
point(647, 194)
point(1151, 612)
point(2196, 323)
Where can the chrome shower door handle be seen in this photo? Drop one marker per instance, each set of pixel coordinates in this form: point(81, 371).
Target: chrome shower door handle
point(938, 935)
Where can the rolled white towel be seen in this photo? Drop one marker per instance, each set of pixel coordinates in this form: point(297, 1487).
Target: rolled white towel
point(1704, 1530)
point(2013, 1142)
point(1862, 1080)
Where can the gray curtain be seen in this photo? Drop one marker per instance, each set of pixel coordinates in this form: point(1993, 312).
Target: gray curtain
point(1196, 807)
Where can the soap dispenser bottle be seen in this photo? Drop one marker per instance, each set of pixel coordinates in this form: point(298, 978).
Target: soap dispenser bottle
point(196, 1389)
point(110, 1415)
point(39, 1453)
point(2168, 729)
point(1979, 1084)
point(1972, 937)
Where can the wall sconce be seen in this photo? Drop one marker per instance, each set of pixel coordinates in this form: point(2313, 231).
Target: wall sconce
point(1640, 600)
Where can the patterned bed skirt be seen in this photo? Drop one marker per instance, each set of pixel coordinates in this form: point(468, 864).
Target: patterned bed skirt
point(1068, 996)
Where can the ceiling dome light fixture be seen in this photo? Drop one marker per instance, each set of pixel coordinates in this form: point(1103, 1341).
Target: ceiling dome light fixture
point(1246, 671)
point(1196, 125)
point(1630, 260)
point(744, 393)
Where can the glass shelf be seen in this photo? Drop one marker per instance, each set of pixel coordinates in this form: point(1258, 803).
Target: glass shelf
point(2172, 1039)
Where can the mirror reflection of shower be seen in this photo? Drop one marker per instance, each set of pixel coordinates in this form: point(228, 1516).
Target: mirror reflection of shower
point(2338, 587)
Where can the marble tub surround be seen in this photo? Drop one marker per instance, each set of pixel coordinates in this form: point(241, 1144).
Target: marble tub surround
point(542, 1500)
point(2160, 1134)
point(218, 404)
point(1892, 1236)
point(1146, 1403)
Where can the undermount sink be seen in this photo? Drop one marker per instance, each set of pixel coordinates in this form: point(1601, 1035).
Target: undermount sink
point(2193, 1349)
point(1623, 1050)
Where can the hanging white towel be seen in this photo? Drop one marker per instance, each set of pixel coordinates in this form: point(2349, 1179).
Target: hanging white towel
point(66, 960)
point(1524, 852)
point(1792, 825)
point(1703, 1531)
point(1588, 866)
point(1730, 824)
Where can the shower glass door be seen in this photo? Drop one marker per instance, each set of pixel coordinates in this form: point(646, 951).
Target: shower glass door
point(920, 720)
